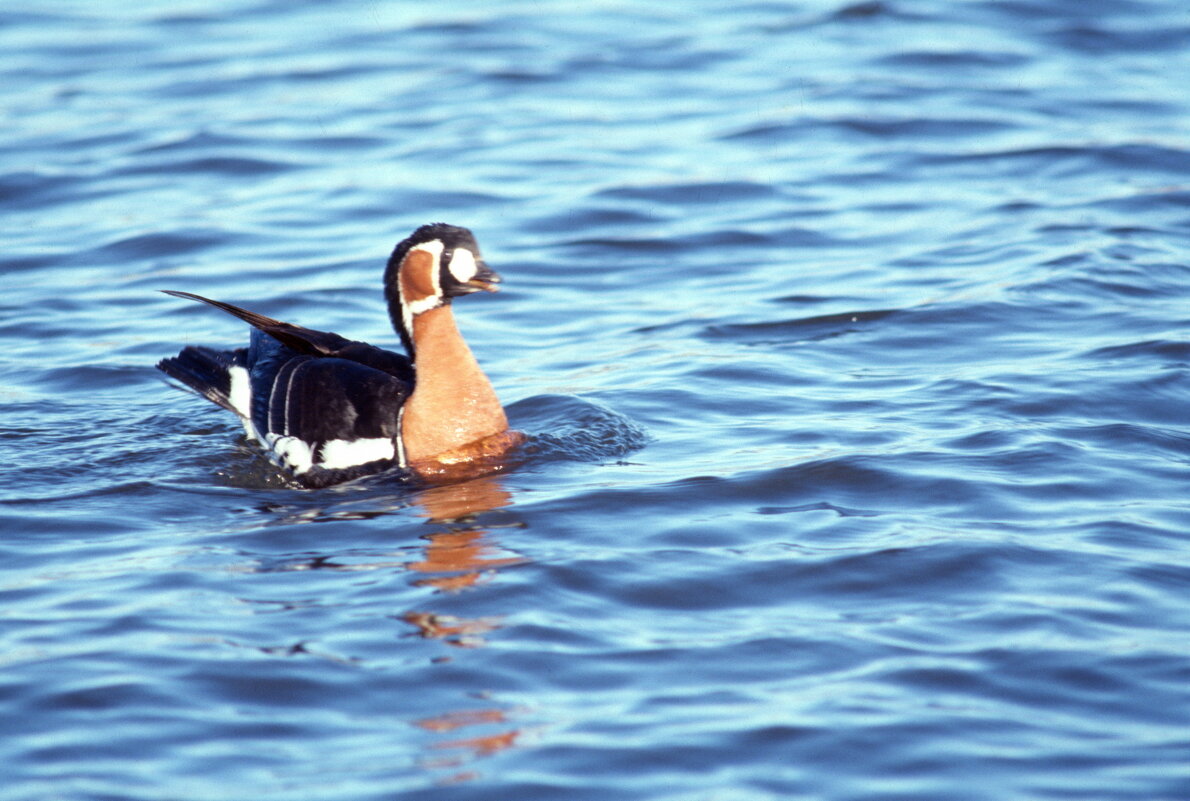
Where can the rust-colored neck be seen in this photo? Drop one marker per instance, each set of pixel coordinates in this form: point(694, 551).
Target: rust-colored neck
point(453, 403)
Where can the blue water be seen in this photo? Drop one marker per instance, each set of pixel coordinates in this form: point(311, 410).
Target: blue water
point(853, 339)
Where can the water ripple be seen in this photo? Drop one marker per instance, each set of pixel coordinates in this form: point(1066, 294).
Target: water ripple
point(850, 342)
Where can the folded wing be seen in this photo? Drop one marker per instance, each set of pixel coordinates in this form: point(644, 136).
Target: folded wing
point(324, 407)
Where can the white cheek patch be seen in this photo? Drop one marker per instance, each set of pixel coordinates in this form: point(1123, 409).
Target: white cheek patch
point(462, 265)
point(341, 453)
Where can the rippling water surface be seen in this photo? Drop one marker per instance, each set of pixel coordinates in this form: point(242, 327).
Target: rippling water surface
point(853, 340)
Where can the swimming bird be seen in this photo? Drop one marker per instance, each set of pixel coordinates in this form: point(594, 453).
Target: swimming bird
point(327, 409)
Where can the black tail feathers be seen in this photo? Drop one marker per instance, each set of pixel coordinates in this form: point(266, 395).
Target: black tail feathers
point(204, 370)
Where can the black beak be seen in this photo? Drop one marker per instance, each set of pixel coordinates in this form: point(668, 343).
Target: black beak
point(485, 279)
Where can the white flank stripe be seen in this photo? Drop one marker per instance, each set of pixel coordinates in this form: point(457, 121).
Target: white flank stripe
point(240, 394)
point(341, 453)
point(337, 454)
point(292, 452)
point(399, 439)
point(240, 398)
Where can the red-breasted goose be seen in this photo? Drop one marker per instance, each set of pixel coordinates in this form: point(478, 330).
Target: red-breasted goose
point(327, 409)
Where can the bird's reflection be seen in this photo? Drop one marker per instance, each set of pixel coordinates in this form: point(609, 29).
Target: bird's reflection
point(460, 557)
point(467, 748)
point(460, 554)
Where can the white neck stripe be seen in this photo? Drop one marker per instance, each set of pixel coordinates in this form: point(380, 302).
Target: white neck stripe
point(412, 308)
point(434, 247)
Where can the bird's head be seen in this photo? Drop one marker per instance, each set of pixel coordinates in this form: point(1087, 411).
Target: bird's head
point(433, 265)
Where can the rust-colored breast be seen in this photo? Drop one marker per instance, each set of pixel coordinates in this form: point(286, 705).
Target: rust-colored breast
point(482, 457)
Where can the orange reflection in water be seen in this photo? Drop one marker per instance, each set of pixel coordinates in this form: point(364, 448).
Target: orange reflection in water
point(483, 745)
point(452, 503)
point(461, 631)
point(460, 558)
point(463, 556)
